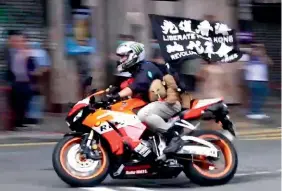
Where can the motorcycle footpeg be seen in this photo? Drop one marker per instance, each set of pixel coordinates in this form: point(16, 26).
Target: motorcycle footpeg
point(172, 163)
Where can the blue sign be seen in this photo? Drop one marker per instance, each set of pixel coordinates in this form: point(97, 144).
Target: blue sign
point(79, 38)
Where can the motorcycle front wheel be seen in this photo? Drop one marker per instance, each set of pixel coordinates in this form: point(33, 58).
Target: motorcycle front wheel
point(206, 171)
point(76, 170)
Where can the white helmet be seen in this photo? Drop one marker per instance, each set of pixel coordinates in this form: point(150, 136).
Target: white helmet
point(130, 53)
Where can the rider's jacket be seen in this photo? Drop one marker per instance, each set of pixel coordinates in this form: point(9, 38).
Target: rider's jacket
point(150, 81)
point(126, 83)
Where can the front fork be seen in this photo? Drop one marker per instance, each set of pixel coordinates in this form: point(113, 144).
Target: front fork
point(89, 146)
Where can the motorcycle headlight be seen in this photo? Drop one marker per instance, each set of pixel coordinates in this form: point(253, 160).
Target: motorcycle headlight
point(79, 114)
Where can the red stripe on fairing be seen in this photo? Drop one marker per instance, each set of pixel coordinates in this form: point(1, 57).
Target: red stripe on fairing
point(76, 107)
point(139, 167)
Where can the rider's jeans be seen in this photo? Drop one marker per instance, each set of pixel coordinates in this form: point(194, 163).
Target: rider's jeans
point(154, 114)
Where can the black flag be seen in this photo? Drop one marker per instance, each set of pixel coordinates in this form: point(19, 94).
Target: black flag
point(184, 38)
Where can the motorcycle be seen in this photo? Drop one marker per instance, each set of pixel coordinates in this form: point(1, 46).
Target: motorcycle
point(108, 138)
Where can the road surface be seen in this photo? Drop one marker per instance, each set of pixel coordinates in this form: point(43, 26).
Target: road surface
point(28, 167)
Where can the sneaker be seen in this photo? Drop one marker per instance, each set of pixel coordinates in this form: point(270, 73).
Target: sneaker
point(174, 145)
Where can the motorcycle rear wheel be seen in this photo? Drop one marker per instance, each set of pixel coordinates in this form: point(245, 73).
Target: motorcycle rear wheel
point(75, 170)
point(200, 173)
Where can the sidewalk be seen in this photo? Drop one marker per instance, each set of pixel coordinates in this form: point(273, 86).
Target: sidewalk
point(51, 130)
point(54, 126)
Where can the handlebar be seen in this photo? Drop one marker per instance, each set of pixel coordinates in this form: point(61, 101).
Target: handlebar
point(99, 104)
point(98, 93)
point(103, 103)
point(102, 91)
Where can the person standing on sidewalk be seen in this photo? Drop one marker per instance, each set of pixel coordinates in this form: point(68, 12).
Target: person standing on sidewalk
point(36, 105)
point(256, 74)
point(20, 75)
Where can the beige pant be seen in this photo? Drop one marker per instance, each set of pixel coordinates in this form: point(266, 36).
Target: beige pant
point(154, 114)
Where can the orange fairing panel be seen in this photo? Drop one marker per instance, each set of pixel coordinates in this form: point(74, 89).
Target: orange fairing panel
point(98, 116)
point(98, 121)
point(129, 125)
point(128, 105)
point(124, 119)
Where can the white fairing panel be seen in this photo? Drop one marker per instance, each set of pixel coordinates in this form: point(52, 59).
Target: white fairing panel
point(85, 101)
point(123, 119)
point(207, 148)
point(130, 122)
point(205, 102)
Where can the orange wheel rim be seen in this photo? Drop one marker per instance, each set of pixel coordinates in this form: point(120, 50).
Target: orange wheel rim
point(63, 160)
point(226, 151)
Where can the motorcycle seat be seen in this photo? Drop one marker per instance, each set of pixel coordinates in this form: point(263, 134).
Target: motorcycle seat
point(184, 110)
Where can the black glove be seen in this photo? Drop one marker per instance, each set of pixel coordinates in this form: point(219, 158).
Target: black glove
point(112, 89)
point(112, 97)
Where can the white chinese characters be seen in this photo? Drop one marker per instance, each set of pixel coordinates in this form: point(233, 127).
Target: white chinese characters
point(185, 26)
point(196, 46)
point(186, 37)
point(222, 29)
point(168, 26)
point(204, 28)
point(174, 48)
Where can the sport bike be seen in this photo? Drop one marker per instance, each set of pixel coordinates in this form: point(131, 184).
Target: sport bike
point(108, 138)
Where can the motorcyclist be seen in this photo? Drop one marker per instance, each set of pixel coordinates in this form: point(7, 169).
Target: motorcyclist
point(132, 59)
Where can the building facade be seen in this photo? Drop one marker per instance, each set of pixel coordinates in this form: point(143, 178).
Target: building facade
point(110, 18)
point(113, 17)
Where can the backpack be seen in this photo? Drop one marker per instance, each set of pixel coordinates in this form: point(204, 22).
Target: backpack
point(166, 88)
point(166, 69)
point(175, 89)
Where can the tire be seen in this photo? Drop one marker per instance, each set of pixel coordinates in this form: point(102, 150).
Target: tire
point(60, 162)
point(204, 178)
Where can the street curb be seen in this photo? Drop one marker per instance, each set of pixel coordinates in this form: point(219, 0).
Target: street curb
point(31, 136)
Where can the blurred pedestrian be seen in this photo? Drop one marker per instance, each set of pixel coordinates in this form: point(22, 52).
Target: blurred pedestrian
point(246, 50)
point(36, 105)
point(256, 75)
point(211, 84)
point(20, 75)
